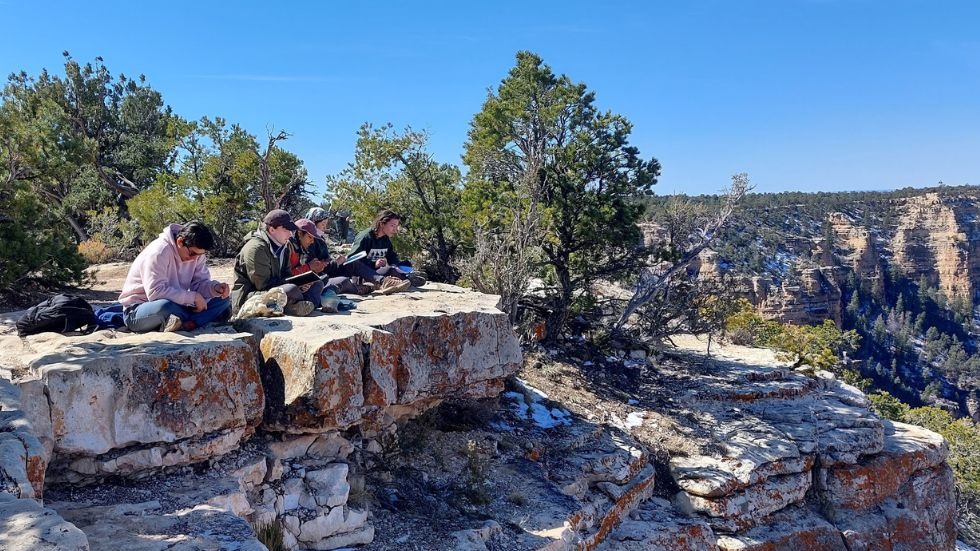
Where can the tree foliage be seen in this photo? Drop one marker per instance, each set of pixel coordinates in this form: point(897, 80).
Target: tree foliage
point(394, 170)
point(112, 165)
point(542, 131)
point(818, 346)
point(85, 140)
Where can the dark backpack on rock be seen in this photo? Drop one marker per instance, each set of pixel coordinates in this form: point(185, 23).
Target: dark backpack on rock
point(58, 314)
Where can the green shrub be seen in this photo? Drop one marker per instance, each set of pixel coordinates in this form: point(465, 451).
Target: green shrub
point(746, 327)
point(888, 406)
point(35, 244)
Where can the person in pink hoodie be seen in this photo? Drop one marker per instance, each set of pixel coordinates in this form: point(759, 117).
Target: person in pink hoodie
point(169, 287)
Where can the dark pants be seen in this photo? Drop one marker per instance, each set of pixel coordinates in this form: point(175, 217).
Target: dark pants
point(367, 273)
point(312, 294)
point(149, 316)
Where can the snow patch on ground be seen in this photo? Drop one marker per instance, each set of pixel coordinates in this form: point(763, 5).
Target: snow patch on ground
point(530, 404)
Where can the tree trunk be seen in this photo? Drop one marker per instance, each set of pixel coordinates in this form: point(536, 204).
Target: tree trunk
point(80, 232)
point(559, 315)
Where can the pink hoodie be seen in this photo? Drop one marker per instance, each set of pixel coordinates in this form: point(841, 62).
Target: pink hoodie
point(158, 272)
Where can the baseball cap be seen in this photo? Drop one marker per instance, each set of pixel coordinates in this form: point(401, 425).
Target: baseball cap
point(279, 217)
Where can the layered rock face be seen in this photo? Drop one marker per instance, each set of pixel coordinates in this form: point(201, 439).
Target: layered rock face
point(818, 297)
point(788, 462)
point(857, 248)
point(935, 238)
point(760, 458)
point(25, 524)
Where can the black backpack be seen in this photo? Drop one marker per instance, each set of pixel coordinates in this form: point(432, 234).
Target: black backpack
point(58, 314)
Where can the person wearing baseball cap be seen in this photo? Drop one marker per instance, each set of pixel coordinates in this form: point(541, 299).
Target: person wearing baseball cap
point(263, 263)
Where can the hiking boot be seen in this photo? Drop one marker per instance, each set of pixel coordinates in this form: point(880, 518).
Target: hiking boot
point(300, 308)
point(366, 288)
point(171, 324)
point(392, 284)
point(416, 279)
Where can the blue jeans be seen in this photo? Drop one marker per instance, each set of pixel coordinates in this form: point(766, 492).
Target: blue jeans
point(149, 316)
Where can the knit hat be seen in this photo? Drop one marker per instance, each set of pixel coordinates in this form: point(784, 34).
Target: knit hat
point(317, 214)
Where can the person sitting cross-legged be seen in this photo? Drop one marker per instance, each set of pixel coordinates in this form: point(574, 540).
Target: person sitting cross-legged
point(169, 287)
point(381, 257)
point(308, 252)
point(263, 263)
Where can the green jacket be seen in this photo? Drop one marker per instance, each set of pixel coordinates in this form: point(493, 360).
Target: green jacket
point(375, 247)
point(257, 268)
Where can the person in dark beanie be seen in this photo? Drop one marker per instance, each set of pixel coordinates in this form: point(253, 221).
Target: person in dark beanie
point(263, 263)
point(169, 287)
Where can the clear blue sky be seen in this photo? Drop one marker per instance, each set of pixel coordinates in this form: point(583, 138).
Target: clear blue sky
point(801, 94)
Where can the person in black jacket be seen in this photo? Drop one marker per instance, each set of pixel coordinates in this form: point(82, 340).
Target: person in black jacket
point(381, 256)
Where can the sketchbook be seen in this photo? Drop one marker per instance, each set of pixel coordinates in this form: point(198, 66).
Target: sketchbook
point(303, 278)
point(355, 257)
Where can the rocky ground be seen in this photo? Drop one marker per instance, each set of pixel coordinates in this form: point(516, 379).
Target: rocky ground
point(583, 449)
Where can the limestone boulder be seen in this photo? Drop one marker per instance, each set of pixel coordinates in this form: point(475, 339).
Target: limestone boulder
point(393, 356)
point(921, 515)
point(746, 508)
point(657, 525)
point(120, 403)
point(907, 450)
point(23, 459)
point(793, 528)
point(766, 428)
point(901, 498)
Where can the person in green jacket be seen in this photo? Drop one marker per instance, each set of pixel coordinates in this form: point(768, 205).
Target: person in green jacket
point(263, 263)
point(381, 256)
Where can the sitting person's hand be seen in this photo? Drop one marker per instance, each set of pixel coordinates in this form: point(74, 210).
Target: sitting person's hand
point(200, 304)
point(305, 288)
point(221, 290)
point(381, 263)
point(317, 265)
point(340, 259)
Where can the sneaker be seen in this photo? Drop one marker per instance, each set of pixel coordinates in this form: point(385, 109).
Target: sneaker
point(329, 306)
point(416, 279)
point(300, 308)
point(392, 284)
point(172, 323)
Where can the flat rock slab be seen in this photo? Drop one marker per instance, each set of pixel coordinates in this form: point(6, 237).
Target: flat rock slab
point(145, 527)
point(126, 402)
point(184, 511)
point(394, 355)
point(25, 525)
